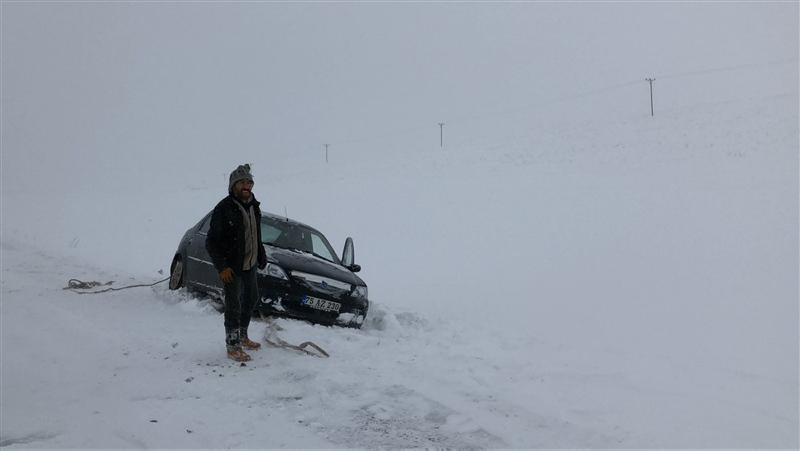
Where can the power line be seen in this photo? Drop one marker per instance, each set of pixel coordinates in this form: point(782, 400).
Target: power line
point(732, 68)
point(556, 100)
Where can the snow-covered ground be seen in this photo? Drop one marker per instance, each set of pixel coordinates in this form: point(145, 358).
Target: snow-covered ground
point(570, 274)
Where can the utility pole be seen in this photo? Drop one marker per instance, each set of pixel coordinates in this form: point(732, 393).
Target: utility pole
point(651, 80)
point(326, 152)
point(441, 134)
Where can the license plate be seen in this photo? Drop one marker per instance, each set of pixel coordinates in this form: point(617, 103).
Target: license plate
point(320, 304)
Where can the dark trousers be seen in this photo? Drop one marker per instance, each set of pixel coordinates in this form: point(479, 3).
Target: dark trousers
point(241, 296)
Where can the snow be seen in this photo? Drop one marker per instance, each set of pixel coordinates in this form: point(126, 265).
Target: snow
point(566, 271)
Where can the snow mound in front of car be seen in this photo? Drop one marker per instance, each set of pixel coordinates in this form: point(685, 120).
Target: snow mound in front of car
point(189, 302)
point(401, 324)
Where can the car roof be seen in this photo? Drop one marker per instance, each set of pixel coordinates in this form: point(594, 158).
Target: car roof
point(265, 214)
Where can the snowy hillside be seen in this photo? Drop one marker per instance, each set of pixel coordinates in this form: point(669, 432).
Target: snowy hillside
point(569, 272)
point(521, 300)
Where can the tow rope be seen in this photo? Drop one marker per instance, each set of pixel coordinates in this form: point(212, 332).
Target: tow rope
point(270, 335)
point(272, 339)
point(75, 284)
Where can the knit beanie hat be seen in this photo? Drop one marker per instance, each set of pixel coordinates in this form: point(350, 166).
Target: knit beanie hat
point(241, 173)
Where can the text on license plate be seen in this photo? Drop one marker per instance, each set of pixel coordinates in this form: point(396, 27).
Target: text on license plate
point(320, 304)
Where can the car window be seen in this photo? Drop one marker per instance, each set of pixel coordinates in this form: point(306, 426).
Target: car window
point(319, 248)
point(294, 236)
point(269, 233)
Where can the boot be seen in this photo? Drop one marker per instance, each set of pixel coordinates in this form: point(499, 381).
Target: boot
point(247, 342)
point(238, 355)
point(250, 344)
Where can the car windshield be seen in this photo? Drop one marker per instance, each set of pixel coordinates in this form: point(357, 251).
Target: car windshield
point(293, 236)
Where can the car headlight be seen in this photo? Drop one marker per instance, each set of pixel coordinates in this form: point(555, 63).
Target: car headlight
point(275, 271)
point(360, 292)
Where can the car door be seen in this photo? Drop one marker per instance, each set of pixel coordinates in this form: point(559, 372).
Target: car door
point(202, 273)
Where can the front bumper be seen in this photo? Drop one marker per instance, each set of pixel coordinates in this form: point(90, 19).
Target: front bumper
point(287, 301)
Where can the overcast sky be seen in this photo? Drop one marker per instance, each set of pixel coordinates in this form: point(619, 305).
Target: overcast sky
point(157, 86)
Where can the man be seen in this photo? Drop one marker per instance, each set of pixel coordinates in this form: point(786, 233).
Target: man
point(234, 244)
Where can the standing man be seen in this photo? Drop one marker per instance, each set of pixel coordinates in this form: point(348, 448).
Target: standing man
point(234, 244)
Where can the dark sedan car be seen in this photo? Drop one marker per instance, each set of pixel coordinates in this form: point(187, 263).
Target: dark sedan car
point(304, 277)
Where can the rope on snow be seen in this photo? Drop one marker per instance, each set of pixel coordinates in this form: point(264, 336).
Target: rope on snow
point(75, 284)
point(272, 334)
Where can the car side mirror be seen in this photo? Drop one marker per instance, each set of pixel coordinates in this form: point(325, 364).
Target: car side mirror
point(349, 255)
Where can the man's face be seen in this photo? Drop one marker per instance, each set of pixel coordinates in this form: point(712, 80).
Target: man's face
point(242, 189)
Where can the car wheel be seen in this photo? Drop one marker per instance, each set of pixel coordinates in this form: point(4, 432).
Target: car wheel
point(176, 274)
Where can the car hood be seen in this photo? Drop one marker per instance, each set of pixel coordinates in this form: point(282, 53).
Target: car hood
point(293, 260)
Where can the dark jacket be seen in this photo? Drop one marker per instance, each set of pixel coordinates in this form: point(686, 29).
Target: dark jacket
point(225, 240)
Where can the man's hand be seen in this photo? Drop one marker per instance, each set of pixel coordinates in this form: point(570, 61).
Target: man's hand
point(226, 275)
